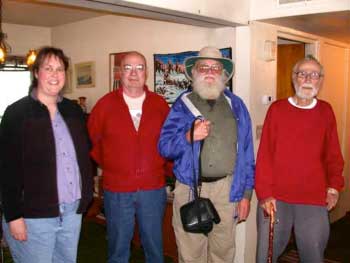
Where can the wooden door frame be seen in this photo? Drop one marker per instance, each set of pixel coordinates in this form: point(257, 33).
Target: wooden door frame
point(312, 45)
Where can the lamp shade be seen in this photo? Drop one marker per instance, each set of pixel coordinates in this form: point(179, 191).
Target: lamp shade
point(31, 56)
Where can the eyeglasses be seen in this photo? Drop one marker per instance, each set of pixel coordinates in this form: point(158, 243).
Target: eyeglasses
point(138, 68)
point(314, 75)
point(51, 70)
point(215, 68)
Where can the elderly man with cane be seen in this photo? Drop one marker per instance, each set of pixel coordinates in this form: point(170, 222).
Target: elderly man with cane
point(299, 168)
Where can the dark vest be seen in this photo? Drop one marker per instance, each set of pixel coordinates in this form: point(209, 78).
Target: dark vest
point(220, 147)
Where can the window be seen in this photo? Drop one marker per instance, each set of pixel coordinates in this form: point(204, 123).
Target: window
point(14, 85)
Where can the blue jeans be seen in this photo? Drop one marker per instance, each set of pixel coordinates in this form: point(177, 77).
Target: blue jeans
point(48, 239)
point(121, 209)
point(311, 229)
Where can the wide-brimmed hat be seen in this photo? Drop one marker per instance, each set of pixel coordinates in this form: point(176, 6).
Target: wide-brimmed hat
point(209, 53)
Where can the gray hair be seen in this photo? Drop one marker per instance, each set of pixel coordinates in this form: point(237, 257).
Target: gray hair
point(308, 58)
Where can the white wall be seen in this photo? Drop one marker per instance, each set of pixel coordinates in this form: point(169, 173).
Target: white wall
point(246, 231)
point(95, 39)
point(22, 38)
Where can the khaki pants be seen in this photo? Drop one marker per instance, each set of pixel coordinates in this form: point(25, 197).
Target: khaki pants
point(219, 246)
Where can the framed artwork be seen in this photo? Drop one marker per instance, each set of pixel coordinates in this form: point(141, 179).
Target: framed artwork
point(85, 74)
point(115, 69)
point(169, 73)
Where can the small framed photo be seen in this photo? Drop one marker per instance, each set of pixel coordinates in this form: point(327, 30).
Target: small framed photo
point(85, 74)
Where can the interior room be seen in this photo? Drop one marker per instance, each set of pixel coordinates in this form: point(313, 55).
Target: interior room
point(89, 32)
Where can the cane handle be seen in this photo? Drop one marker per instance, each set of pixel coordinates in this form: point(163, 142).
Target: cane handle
point(272, 213)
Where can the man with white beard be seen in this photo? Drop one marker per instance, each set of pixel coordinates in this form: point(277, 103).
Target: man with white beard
point(299, 168)
point(227, 156)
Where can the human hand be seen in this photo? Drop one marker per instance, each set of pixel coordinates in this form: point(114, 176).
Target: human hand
point(18, 229)
point(332, 198)
point(267, 204)
point(200, 132)
point(243, 209)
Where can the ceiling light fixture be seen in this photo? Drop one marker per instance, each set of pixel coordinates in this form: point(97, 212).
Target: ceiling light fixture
point(5, 48)
point(31, 56)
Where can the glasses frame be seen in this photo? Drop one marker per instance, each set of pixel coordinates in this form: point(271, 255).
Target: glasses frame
point(314, 75)
point(215, 68)
point(138, 68)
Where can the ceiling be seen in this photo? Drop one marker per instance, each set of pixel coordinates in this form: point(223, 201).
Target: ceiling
point(334, 25)
point(43, 14)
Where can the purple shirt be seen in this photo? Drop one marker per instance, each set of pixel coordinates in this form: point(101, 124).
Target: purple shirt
point(68, 175)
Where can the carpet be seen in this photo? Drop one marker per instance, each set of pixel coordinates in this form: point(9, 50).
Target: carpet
point(292, 256)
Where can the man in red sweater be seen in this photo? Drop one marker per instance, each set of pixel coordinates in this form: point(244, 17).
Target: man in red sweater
point(124, 127)
point(299, 168)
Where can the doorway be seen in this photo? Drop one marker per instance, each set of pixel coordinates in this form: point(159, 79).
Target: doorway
point(288, 53)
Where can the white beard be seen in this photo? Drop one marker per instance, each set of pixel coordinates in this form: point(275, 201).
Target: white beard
point(299, 91)
point(208, 91)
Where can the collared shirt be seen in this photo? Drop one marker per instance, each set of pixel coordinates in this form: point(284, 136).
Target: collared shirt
point(68, 175)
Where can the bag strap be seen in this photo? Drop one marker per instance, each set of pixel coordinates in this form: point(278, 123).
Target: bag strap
point(195, 184)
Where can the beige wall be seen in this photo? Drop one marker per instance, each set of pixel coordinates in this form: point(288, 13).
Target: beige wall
point(95, 39)
point(22, 38)
point(335, 59)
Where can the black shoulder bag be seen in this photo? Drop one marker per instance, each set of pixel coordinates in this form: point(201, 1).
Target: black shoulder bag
point(198, 215)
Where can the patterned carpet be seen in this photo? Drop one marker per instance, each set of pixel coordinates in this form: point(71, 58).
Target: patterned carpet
point(292, 256)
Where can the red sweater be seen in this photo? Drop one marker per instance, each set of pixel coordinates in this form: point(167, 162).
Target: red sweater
point(299, 154)
point(129, 159)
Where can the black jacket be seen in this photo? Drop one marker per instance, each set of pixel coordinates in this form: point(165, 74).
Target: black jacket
point(28, 158)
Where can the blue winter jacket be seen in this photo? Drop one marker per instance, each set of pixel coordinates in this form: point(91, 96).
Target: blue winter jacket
point(173, 144)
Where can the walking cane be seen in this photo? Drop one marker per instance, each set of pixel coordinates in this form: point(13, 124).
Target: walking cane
point(271, 230)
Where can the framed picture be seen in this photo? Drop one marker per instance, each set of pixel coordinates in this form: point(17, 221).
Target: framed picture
point(169, 73)
point(115, 69)
point(85, 74)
